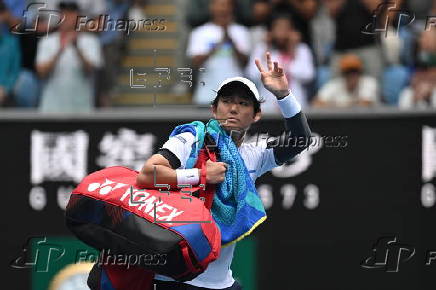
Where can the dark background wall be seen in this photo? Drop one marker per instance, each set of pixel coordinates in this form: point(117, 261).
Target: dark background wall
point(326, 210)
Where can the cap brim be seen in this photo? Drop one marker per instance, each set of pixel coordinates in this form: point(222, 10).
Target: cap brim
point(249, 84)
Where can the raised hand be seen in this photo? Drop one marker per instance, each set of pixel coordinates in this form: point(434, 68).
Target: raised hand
point(273, 79)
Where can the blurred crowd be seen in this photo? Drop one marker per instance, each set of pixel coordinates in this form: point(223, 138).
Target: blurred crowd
point(336, 53)
point(49, 64)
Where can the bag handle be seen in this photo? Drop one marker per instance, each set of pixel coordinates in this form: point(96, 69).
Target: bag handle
point(207, 191)
point(212, 156)
point(187, 257)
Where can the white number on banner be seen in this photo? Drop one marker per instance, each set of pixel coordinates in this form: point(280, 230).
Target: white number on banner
point(63, 196)
point(265, 193)
point(37, 198)
point(288, 191)
point(311, 192)
point(428, 195)
point(428, 153)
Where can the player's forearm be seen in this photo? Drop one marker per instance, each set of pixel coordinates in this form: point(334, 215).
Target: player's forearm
point(156, 174)
point(296, 128)
point(161, 174)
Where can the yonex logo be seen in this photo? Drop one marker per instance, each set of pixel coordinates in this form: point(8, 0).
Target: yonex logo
point(106, 187)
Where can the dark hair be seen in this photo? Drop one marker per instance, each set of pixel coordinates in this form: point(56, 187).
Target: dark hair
point(68, 5)
point(277, 16)
point(240, 89)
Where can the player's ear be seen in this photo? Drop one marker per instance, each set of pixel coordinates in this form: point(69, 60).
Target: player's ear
point(213, 110)
point(257, 116)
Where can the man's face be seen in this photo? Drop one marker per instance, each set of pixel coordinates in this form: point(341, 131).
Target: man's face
point(352, 80)
point(69, 23)
point(221, 9)
point(280, 30)
point(235, 112)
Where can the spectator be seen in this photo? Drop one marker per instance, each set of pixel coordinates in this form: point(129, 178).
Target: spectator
point(221, 47)
point(284, 44)
point(198, 12)
point(422, 91)
point(92, 8)
point(302, 12)
point(10, 58)
point(66, 60)
point(351, 89)
point(351, 16)
point(323, 35)
point(27, 88)
point(113, 43)
point(397, 46)
point(323, 40)
point(260, 13)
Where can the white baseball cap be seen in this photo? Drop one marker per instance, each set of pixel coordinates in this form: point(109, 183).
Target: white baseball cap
point(251, 86)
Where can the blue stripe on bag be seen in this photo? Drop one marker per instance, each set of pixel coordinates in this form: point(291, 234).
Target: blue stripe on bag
point(195, 237)
point(105, 283)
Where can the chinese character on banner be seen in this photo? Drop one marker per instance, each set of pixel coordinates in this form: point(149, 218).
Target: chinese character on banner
point(127, 148)
point(58, 156)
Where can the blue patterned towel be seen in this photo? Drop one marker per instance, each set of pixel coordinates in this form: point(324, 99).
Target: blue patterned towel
point(237, 207)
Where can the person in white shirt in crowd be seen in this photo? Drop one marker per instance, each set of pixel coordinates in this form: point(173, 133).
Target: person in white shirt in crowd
point(237, 106)
point(422, 91)
point(66, 60)
point(284, 43)
point(352, 88)
point(218, 49)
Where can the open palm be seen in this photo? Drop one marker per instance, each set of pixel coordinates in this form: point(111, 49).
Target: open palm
point(273, 79)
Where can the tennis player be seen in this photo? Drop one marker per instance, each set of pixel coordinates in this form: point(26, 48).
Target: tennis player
point(237, 106)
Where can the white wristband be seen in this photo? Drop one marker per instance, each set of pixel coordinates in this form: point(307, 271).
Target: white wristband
point(289, 106)
point(188, 176)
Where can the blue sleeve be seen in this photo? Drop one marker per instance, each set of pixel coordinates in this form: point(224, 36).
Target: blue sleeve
point(14, 64)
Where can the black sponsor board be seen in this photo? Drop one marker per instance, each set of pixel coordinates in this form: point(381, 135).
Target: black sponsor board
point(360, 181)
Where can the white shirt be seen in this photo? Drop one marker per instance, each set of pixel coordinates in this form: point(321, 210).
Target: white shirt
point(223, 63)
point(335, 91)
point(406, 100)
point(299, 71)
point(258, 160)
point(68, 88)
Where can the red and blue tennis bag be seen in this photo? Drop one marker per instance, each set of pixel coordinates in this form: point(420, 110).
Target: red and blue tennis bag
point(173, 229)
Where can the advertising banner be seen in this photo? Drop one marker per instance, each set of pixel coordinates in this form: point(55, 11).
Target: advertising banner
point(356, 210)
